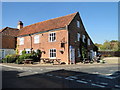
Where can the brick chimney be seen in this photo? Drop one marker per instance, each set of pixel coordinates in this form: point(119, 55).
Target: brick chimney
point(20, 25)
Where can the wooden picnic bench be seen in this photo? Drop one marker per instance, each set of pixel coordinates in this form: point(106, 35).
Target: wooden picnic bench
point(28, 61)
point(48, 60)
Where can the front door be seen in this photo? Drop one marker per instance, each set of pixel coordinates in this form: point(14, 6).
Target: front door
point(72, 55)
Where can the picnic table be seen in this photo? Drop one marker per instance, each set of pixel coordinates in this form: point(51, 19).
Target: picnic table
point(49, 60)
point(28, 61)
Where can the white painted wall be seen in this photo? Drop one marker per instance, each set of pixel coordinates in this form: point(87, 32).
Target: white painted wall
point(4, 52)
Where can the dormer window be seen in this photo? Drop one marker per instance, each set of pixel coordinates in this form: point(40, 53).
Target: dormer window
point(78, 24)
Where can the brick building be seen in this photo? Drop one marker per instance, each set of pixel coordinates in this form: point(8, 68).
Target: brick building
point(8, 41)
point(64, 38)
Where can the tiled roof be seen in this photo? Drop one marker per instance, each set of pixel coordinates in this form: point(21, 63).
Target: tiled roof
point(9, 31)
point(47, 25)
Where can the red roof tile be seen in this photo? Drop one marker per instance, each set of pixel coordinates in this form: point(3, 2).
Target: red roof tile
point(9, 31)
point(47, 25)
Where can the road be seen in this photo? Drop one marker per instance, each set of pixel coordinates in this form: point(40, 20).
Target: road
point(100, 76)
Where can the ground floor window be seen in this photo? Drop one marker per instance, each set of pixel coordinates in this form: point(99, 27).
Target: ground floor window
point(52, 53)
point(28, 51)
point(20, 52)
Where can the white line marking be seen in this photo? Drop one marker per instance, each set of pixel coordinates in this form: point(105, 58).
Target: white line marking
point(109, 77)
point(49, 74)
point(58, 76)
point(81, 81)
point(117, 86)
point(104, 83)
point(97, 85)
point(69, 78)
point(73, 77)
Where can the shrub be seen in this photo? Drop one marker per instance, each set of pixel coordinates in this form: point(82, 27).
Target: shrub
point(23, 52)
point(26, 56)
point(10, 58)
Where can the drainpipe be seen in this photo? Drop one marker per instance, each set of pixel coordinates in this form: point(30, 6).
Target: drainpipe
point(30, 43)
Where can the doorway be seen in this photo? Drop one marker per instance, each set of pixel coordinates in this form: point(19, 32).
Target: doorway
point(72, 55)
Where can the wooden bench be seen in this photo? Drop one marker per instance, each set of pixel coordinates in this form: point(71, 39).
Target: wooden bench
point(48, 60)
point(28, 61)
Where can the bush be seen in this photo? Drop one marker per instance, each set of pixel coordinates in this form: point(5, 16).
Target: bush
point(26, 56)
point(23, 52)
point(10, 58)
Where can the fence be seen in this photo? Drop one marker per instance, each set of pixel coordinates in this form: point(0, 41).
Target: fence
point(110, 53)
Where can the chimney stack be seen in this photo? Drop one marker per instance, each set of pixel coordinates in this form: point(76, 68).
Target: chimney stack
point(20, 25)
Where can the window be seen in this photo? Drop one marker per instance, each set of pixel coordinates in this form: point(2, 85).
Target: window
point(52, 37)
point(62, 45)
point(28, 51)
point(79, 52)
point(88, 41)
point(52, 53)
point(35, 51)
point(78, 24)
point(21, 41)
point(78, 36)
point(36, 39)
point(83, 38)
point(20, 52)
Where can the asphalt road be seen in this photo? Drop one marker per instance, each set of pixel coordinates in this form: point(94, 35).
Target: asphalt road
point(75, 77)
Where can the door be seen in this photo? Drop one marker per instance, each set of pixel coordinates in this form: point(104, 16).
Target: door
point(72, 55)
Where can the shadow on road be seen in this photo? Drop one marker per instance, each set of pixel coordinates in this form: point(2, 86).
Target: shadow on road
point(56, 79)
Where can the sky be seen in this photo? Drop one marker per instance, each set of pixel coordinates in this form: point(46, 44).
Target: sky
point(100, 19)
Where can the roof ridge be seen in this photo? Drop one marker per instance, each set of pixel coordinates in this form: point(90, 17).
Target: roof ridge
point(50, 19)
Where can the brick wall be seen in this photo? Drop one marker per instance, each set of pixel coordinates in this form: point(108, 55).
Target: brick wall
point(8, 42)
point(73, 30)
point(45, 45)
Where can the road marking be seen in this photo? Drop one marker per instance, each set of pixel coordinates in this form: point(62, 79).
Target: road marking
point(117, 86)
point(58, 76)
point(104, 83)
point(49, 74)
point(81, 81)
point(73, 77)
point(109, 77)
point(69, 78)
point(97, 85)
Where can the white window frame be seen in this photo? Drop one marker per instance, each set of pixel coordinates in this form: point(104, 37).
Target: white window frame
point(51, 51)
point(88, 41)
point(79, 55)
point(21, 41)
point(83, 38)
point(52, 37)
point(78, 24)
point(27, 51)
point(36, 39)
point(78, 36)
point(20, 52)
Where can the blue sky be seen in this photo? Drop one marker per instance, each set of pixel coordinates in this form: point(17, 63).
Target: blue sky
point(99, 18)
